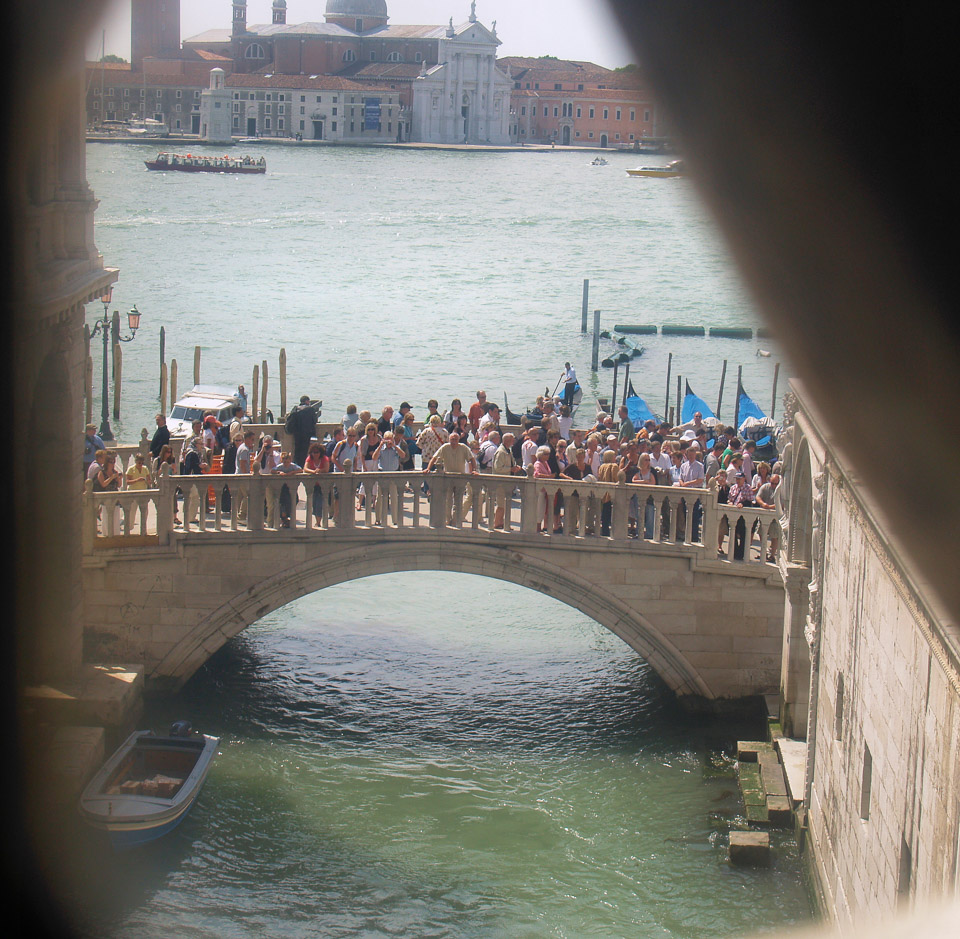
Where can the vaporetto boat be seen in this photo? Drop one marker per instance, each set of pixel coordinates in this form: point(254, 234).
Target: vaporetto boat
point(188, 163)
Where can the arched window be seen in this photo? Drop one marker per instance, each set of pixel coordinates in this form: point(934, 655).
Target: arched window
point(349, 56)
point(418, 57)
point(393, 57)
point(254, 51)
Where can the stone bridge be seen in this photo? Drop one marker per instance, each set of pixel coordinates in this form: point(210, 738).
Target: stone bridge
point(169, 593)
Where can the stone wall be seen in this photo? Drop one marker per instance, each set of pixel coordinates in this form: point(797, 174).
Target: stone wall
point(884, 801)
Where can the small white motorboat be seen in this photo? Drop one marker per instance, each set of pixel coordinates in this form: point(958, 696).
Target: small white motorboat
point(149, 785)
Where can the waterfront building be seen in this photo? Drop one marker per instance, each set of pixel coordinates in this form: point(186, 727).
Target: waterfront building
point(317, 107)
point(577, 103)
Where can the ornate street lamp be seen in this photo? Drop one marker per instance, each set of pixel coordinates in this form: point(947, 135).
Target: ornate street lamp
point(103, 327)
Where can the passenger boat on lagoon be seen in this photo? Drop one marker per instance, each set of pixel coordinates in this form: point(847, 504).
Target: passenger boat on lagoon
point(149, 785)
point(188, 163)
point(673, 168)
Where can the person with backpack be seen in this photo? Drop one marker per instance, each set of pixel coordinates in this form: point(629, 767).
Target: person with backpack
point(301, 424)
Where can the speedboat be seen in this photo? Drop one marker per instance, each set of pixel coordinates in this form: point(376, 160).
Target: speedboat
point(599, 161)
point(673, 168)
point(149, 785)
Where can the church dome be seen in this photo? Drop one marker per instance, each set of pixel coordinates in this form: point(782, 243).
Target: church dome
point(376, 8)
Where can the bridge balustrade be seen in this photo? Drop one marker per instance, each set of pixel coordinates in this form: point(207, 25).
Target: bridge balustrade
point(303, 505)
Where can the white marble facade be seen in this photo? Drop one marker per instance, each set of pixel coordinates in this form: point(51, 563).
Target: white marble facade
point(465, 98)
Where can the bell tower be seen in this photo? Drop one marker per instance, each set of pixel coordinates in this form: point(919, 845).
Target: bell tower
point(239, 17)
point(279, 12)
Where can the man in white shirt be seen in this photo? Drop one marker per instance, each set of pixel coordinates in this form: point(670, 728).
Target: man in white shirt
point(244, 468)
point(569, 383)
point(659, 460)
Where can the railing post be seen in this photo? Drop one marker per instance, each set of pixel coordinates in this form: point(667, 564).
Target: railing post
point(438, 498)
point(621, 504)
point(165, 502)
point(528, 503)
point(346, 496)
point(255, 506)
point(89, 517)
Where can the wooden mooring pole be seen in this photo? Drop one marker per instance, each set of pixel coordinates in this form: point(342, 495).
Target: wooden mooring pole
point(586, 294)
point(595, 357)
point(666, 403)
point(773, 403)
point(723, 378)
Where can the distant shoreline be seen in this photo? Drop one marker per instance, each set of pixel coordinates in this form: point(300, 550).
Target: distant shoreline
point(290, 142)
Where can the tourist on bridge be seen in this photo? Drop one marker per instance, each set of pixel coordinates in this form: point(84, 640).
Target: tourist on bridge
point(350, 418)
point(138, 475)
point(451, 417)
point(161, 435)
point(455, 457)
point(346, 449)
point(385, 422)
point(108, 477)
point(489, 422)
point(318, 463)
point(301, 424)
point(433, 436)
point(477, 410)
point(288, 501)
point(92, 442)
point(626, 430)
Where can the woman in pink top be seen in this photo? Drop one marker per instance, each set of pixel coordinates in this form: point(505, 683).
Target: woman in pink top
point(317, 463)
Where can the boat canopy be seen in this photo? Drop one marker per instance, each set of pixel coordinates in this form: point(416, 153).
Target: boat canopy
point(754, 424)
point(692, 404)
point(638, 410)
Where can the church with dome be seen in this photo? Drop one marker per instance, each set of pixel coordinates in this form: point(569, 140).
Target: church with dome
point(445, 77)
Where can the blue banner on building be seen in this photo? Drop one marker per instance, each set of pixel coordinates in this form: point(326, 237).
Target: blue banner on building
point(371, 113)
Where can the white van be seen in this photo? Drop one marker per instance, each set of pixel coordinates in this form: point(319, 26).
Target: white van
point(200, 400)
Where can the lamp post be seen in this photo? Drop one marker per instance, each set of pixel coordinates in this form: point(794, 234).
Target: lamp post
point(102, 326)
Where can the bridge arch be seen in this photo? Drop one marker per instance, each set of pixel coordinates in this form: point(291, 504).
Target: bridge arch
point(518, 567)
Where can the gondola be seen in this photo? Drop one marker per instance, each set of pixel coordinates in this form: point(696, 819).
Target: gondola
point(532, 414)
point(753, 424)
point(638, 410)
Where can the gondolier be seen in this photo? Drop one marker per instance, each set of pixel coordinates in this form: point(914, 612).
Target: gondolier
point(569, 384)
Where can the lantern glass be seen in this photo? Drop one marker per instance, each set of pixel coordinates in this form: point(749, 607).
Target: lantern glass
point(107, 294)
point(134, 319)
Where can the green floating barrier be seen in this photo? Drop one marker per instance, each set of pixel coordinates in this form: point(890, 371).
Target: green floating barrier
point(637, 330)
point(731, 332)
point(605, 334)
point(683, 331)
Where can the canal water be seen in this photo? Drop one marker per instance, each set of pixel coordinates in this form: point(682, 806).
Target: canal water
point(430, 754)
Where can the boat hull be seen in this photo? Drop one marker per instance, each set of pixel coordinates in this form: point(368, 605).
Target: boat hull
point(652, 171)
point(191, 168)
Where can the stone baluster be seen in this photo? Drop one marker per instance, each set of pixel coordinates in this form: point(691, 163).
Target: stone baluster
point(89, 517)
point(528, 504)
point(621, 504)
point(346, 504)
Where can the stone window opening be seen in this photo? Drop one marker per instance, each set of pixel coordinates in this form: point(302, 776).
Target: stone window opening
point(866, 783)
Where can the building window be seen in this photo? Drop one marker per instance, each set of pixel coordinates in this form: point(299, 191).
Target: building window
point(254, 51)
point(96, 105)
point(280, 123)
point(333, 126)
point(179, 108)
point(373, 55)
point(419, 58)
point(579, 112)
point(546, 110)
point(523, 110)
point(266, 123)
point(633, 114)
point(590, 135)
point(349, 56)
point(236, 108)
point(359, 24)
point(556, 112)
point(618, 114)
point(579, 87)
point(281, 109)
point(196, 94)
point(591, 114)
point(126, 92)
point(179, 94)
point(393, 57)
point(303, 110)
point(866, 782)
point(334, 112)
point(606, 113)
point(558, 86)
point(268, 108)
point(646, 116)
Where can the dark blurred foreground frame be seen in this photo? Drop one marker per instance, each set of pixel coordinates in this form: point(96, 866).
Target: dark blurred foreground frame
point(821, 140)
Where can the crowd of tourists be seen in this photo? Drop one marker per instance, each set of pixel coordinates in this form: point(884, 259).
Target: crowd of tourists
point(471, 440)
